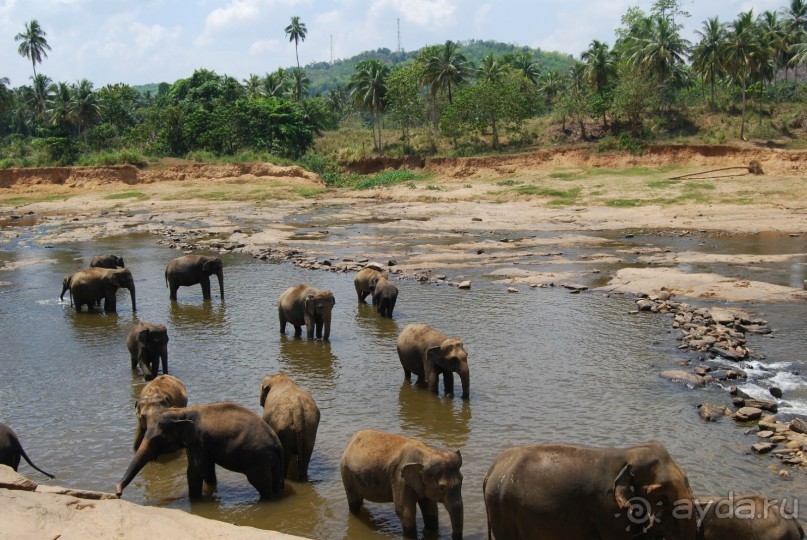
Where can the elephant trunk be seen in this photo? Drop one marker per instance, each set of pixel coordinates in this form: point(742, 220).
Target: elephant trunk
point(164, 359)
point(145, 453)
point(326, 323)
point(65, 288)
point(139, 433)
point(465, 378)
point(132, 293)
point(220, 275)
point(455, 511)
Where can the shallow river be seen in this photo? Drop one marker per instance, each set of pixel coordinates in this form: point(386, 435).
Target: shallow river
point(546, 366)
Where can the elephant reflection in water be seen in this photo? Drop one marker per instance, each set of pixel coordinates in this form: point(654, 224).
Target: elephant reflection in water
point(444, 419)
point(311, 359)
point(189, 316)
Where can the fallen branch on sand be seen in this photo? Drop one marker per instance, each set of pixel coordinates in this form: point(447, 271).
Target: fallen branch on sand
point(752, 168)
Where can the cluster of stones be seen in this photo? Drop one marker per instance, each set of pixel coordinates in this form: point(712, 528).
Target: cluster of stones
point(785, 441)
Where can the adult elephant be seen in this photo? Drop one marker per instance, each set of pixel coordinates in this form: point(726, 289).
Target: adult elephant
point(561, 492)
point(428, 354)
point(107, 261)
point(163, 392)
point(223, 434)
point(747, 516)
point(385, 294)
point(293, 414)
point(190, 270)
point(93, 284)
point(363, 278)
point(11, 450)
point(148, 344)
point(304, 305)
point(384, 467)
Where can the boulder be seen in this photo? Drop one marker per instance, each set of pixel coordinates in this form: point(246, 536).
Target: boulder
point(464, 285)
point(10, 479)
point(711, 413)
point(679, 375)
point(747, 414)
point(798, 425)
point(762, 447)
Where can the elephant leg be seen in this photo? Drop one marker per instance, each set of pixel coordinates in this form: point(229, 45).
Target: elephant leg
point(210, 481)
point(298, 330)
point(172, 287)
point(448, 383)
point(134, 361)
point(165, 365)
point(205, 281)
point(195, 478)
point(155, 366)
point(407, 375)
point(318, 325)
point(428, 508)
point(406, 511)
point(283, 321)
point(262, 481)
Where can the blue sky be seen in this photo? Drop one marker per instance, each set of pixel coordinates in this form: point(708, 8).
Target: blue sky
point(144, 41)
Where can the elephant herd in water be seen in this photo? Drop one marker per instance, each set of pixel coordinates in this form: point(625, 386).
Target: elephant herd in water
point(530, 492)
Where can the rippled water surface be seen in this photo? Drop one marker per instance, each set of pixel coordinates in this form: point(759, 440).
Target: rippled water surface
point(546, 366)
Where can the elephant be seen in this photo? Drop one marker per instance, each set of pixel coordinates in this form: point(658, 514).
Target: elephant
point(93, 284)
point(107, 261)
point(563, 492)
point(304, 305)
point(362, 280)
point(293, 414)
point(428, 353)
point(11, 450)
point(161, 393)
point(384, 467)
point(192, 269)
point(225, 434)
point(385, 294)
point(147, 344)
point(747, 516)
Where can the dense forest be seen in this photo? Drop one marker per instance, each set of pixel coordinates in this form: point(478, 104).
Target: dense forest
point(453, 98)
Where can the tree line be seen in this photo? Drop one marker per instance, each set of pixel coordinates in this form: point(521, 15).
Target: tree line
point(650, 70)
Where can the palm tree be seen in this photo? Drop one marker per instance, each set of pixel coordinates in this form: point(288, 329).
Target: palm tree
point(33, 44)
point(550, 84)
point(528, 65)
point(490, 69)
point(296, 31)
point(277, 84)
point(5, 94)
point(657, 48)
point(253, 85)
point(796, 20)
point(40, 93)
point(301, 82)
point(84, 108)
point(739, 51)
point(449, 66)
point(707, 60)
point(368, 89)
point(59, 111)
point(600, 65)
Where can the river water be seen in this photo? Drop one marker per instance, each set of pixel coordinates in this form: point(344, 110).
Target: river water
point(546, 366)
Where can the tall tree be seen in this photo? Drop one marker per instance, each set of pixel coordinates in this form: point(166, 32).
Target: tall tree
point(40, 94)
point(296, 31)
point(447, 67)
point(658, 48)
point(253, 85)
point(707, 59)
point(490, 69)
point(600, 65)
point(527, 65)
point(550, 84)
point(59, 106)
point(33, 44)
point(277, 83)
point(796, 19)
point(740, 49)
point(368, 88)
point(84, 106)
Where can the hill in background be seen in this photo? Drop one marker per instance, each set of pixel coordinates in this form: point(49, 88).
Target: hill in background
point(325, 76)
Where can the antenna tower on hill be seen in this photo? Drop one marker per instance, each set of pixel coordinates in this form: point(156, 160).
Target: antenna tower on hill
point(400, 49)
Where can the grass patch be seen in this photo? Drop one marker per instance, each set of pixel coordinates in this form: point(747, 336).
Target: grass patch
point(24, 201)
point(564, 175)
point(308, 192)
point(693, 186)
point(508, 182)
point(632, 171)
point(371, 181)
point(127, 195)
point(114, 157)
point(559, 197)
point(661, 184)
point(622, 203)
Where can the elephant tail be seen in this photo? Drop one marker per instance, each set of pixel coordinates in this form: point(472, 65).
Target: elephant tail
point(23, 454)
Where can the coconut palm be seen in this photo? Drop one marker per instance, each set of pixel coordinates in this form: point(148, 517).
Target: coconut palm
point(59, 107)
point(795, 17)
point(368, 89)
point(657, 48)
point(707, 60)
point(739, 50)
point(84, 108)
point(446, 68)
point(490, 69)
point(253, 85)
point(528, 65)
point(40, 94)
point(550, 85)
point(296, 31)
point(600, 65)
point(33, 44)
point(278, 83)
point(5, 95)
point(301, 82)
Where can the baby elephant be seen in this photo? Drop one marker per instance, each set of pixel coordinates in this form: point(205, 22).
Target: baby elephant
point(11, 450)
point(160, 394)
point(303, 305)
point(107, 261)
point(363, 278)
point(427, 353)
point(385, 294)
point(383, 467)
point(748, 516)
point(147, 344)
point(294, 415)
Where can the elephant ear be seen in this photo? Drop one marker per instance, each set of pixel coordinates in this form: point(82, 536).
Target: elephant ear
point(412, 474)
point(310, 305)
point(114, 280)
point(373, 283)
point(624, 490)
point(436, 358)
point(266, 385)
point(143, 335)
point(182, 430)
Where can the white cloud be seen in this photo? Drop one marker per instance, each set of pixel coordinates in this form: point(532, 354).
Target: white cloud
point(577, 24)
point(147, 38)
point(233, 15)
point(264, 46)
point(432, 14)
point(482, 17)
